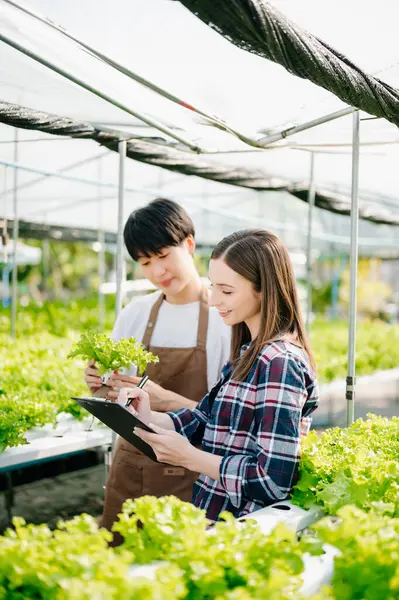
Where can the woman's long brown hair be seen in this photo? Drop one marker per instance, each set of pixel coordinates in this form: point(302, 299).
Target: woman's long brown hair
point(262, 258)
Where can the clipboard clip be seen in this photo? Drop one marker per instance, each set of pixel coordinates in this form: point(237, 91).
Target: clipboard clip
point(140, 385)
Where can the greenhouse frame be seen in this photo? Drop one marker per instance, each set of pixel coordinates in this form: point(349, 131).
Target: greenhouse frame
point(206, 109)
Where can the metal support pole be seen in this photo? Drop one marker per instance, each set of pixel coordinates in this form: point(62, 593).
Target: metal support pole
point(14, 292)
point(350, 380)
point(5, 284)
point(216, 121)
point(69, 74)
point(9, 497)
point(119, 268)
point(101, 277)
point(4, 234)
point(119, 243)
point(46, 266)
point(281, 135)
point(101, 254)
point(311, 202)
point(4, 238)
point(221, 124)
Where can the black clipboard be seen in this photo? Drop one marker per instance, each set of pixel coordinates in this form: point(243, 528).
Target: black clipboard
point(119, 419)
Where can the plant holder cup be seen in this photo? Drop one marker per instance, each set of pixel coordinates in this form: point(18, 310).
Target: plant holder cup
point(106, 376)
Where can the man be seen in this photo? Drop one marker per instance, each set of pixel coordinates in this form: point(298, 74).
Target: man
point(177, 325)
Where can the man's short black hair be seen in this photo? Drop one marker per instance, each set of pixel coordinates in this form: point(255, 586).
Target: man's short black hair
point(160, 224)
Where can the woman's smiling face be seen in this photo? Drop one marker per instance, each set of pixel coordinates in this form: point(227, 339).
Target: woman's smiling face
point(234, 296)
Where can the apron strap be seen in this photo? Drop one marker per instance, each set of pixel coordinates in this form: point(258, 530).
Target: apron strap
point(152, 319)
point(203, 319)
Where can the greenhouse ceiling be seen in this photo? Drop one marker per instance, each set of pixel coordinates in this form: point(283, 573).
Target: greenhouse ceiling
point(165, 43)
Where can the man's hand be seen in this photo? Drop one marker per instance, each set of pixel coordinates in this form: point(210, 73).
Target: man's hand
point(92, 378)
point(158, 395)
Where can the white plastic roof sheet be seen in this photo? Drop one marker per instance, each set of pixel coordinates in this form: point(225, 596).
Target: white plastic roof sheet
point(166, 44)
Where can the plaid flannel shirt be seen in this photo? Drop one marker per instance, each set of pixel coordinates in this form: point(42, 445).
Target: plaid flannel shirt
point(256, 426)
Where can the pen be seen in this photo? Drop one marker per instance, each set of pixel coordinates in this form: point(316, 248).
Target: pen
point(140, 385)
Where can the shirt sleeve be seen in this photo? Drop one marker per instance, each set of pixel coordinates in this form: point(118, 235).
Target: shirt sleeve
point(267, 473)
point(190, 423)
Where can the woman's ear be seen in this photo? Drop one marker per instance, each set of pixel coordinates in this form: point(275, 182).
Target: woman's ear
point(190, 242)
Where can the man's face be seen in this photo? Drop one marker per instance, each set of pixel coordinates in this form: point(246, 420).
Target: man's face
point(171, 269)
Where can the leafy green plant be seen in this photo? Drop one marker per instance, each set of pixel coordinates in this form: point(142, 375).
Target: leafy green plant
point(357, 465)
point(36, 384)
point(110, 355)
point(18, 415)
point(34, 371)
point(74, 562)
point(373, 293)
point(59, 318)
point(377, 348)
point(232, 560)
point(368, 568)
point(37, 381)
point(168, 524)
point(377, 342)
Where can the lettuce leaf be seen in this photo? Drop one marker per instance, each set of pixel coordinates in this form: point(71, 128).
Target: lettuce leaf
point(111, 355)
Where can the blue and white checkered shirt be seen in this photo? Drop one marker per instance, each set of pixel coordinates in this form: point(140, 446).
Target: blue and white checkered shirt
point(256, 426)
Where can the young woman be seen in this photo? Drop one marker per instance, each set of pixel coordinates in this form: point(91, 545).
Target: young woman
point(250, 424)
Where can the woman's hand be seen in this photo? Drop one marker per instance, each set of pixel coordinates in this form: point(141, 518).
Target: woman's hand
point(173, 448)
point(140, 405)
point(169, 446)
point(158, 395)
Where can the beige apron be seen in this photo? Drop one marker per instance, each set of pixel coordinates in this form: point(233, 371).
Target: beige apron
point(183, 371)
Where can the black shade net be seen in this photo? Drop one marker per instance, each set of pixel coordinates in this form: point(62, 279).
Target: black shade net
point(155, 151)
point(257, 27)
point(59, 233)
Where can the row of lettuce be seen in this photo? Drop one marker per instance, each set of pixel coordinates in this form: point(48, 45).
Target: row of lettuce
point(233, 560)
point(352, 473)
point(37, 381)
point(36, 384)
point(377, 342)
